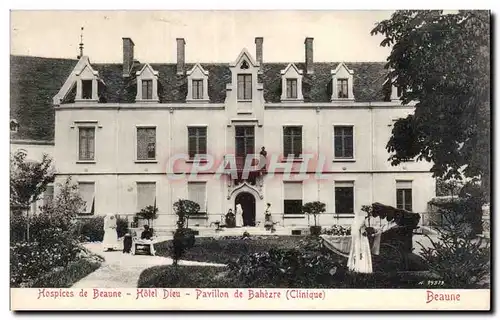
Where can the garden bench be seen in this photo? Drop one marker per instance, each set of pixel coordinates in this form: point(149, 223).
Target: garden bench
point(143, 245)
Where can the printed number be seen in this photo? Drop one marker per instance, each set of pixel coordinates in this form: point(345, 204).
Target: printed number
point(436, 282)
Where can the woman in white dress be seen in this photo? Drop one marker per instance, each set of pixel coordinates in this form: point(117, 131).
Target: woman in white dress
point(239, 215)
point(110, 240)
point(360, 259)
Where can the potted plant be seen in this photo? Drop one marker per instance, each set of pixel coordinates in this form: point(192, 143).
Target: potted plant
point(149, 213)
point(184, 238)
point(315, 208)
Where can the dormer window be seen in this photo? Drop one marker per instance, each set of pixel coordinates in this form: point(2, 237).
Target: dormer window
point(342, 88)
point(291, 78)
point(342, 83)
point(197, 89)
point(197, 84)
point(147, 89)
point(14, 125)
point(147, 84)
point(86, 89)
point(244, 87)
point(291, 88)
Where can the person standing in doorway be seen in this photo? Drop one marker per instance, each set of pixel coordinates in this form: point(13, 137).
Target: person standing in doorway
point(239, 215)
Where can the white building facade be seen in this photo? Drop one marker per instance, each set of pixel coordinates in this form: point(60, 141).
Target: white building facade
point(138, 134)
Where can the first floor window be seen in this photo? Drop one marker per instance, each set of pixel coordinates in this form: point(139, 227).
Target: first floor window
point(197, 192)
point(197, 89)
point(86, 190)
point(86, 143)
point(344, 197)
point(343, 142)
point(146, 143)
point(147, 89)
point(292, 203)
point(197, 141)
point(404, 195)
point(146, 195)
point(292, 141)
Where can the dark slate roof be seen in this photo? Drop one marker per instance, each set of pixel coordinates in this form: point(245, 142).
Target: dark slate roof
point(35, 81)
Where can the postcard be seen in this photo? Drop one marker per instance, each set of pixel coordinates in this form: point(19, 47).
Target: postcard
point(250, 160)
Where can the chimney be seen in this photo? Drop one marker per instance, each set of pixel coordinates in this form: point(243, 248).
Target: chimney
point(128, 56)
point(309, 55)
point(258, 50)
point(181, 56)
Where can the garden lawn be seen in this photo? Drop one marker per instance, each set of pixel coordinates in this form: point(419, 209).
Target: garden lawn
point(229, 249)
point(185, 277)
point(65, 277)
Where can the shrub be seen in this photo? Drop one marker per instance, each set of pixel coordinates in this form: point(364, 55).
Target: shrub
point(337, 230)
point(459, 259)
point(65, 277)
point(91, 229)
point(121, 226)
point(184, 238)
point(315, 208)
point(18, 223)
point(30, 260)
point(287, 268)
point(149, 213)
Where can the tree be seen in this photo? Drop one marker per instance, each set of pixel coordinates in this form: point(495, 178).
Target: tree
point(442, 62)
point(184, 209)
point(183, 237)
point(149, 213)
point(315, 208)
point(29, 179)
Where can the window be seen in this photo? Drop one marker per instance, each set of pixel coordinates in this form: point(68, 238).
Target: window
point(86, 191)
point(86, 89)
point(14, 126)
point(48, 195)
point(343, 142)
point(291, 88)
point(86, 144)
point(147, 89)
point(292, 141)
point(342, 88)
point(292, 203)
point(344, 197)
point(197, 141)
point(197, 89)
point(244, 87)
point(146, 143)
point(404, 195)
point(245, 141)
point(146, 195)
point(197, 192)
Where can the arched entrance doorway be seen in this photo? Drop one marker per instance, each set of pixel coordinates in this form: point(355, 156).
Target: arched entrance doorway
point(247, 201)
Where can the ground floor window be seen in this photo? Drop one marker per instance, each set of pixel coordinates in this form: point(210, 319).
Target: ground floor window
point(404, 195)
point(292, 203)
point(197, 192)
point(87, 193)
point(344, 197)
point(146, 195)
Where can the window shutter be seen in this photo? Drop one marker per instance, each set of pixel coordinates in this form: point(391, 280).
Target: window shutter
point(293, 190)
point(146, 194)
point(402, 184)
point(87, 191)
point(197, 193)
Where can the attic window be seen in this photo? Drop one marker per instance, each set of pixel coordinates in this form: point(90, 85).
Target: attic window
point(291, 88)
point(197, 85)
point(86, 89)
point(291, 84)
point(244, 65)
point(14, 126)
point(147, 89)
point(342, 88)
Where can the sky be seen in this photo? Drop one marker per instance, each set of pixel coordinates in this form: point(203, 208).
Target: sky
point(211, 36)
